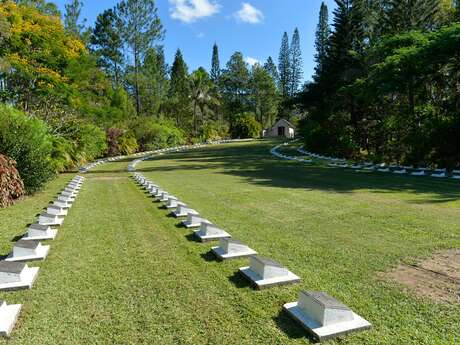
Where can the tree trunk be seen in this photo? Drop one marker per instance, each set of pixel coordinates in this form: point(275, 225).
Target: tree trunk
point(136, 81)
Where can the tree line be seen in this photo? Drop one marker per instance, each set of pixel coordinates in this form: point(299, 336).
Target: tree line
point(107, 89)
point(386, 84)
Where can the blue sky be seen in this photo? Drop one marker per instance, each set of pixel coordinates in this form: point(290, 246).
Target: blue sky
point(254, 27)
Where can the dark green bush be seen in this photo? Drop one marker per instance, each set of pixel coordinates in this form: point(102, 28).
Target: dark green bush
point(246, 126)
point(152, 134)
point(27, 141)
point(77, 143)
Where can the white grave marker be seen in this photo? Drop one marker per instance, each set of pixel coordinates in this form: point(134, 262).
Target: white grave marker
point(323, 316)
point(28, 251)
point(183, 211)
point(193, 220)
point(40, 232)
point(232, 249)
point(263, 273)
point(56, 210)
point(16, 275)
point(50, 219)
point(210, 232)
point(8, 317)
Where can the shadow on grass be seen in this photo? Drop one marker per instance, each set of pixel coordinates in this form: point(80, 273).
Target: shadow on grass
point(17, 238)
point(239, 281)
point(289, 327)
point(209, 256)
point(180, 225)
point(255, 164)
point(192, 238)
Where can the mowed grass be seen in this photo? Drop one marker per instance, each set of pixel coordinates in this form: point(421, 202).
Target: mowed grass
point(122, 272)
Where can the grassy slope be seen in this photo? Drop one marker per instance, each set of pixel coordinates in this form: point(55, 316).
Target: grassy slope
point(121, 272)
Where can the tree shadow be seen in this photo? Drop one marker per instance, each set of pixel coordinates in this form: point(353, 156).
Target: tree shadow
point(255, 164)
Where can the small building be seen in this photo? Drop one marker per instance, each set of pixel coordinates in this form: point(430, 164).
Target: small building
point(282, 128)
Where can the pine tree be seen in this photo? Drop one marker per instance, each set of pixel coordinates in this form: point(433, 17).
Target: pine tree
point(263, 95)
point(179, 87)
point(139, 27)
point(234, 83)
point(107, 44)
point(296, 69)
point(344, 62)
point(322, 38)
point(405, 15)
point(284, 67)
point(72, 17)
point(215, 64)
point(272, 70)
point(154, 81)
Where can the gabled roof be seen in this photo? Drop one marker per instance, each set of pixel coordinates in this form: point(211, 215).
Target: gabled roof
point(279, 120)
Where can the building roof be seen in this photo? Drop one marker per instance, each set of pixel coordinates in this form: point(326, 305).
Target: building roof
point(284, 120)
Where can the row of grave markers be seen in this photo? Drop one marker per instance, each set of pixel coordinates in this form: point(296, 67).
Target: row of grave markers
point(146, 154)
point(15, 274)
point(321, 315)
point(369, 166)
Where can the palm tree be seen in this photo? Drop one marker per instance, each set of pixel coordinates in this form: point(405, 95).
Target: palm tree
point(203, 95)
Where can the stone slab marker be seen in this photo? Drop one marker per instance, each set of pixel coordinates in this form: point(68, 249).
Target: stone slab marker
point(8, 317)
point(264, 273)
point(16, 276)
point(324, 317)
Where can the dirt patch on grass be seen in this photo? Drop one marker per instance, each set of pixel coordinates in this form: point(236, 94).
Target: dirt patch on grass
point(437, 278)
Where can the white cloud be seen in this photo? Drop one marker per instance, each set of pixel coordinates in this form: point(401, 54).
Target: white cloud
point(251, 61)
point(189, 11)
point(249, 14)
point(200, 35)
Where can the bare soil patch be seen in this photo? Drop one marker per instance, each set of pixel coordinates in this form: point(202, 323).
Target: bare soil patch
point(437, 278)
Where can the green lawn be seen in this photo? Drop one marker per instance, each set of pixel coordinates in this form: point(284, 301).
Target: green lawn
point(122, 272)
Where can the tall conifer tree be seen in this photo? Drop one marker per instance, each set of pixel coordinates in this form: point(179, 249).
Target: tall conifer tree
point(179, 87)
point(322, 38)
point(139, 27)
point(72, 17)
point(270, 67)
point(296, 69)
point(284, 67)
point(107, 44)
point(405, 15)
point(215, 64)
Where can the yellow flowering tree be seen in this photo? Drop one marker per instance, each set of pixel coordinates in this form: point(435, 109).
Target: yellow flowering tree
point(35, 53)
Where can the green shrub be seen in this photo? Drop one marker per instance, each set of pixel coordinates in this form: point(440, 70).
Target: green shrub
point(62, 154)
point(212, 131)
point(77, 143)
point(246, 126)
point(27, 141)
point(127, 143)
point(152, 135)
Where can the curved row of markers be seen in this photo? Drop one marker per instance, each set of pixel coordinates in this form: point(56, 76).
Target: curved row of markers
point(321, 315)
point(369, 166)
point(15, 274)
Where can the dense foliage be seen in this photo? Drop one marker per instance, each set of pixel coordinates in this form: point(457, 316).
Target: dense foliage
point(26, 140)
point(387, 84)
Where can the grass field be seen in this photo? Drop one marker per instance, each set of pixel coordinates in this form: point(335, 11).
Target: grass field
point(122, 272)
